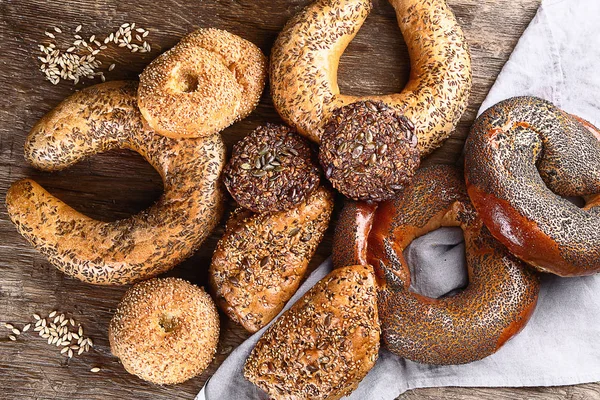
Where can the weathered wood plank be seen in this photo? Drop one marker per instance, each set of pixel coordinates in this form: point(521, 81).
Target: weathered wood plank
point(119, 183)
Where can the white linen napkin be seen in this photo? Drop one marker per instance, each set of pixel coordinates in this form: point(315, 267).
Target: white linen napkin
point(557, 59)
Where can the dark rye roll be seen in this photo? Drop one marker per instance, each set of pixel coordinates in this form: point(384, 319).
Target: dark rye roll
point(271, 169)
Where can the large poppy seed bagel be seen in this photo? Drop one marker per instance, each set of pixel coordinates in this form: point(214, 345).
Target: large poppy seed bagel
point(209, 80)
point(165, 331)
point(521, 156)
point(468, 326)
point(303, 77)
point(325, 344)
point(98, 119)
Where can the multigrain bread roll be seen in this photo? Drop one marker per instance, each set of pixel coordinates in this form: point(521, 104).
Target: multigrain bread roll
point(262, 258)
point(324, 345)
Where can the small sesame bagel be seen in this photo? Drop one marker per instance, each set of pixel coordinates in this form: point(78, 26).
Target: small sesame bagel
point(209, 80)
point(497, 303)
point(165, 331)
point(94, 120)
point(324, 345)
point(304, 65)
point(521, 156)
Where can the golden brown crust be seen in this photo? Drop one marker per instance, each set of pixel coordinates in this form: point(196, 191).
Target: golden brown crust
point(305, 57)
point(97, 119)
point(497, 303)
point(209, 80)
point(262, 258)
point(165, 331)
point(324, 345)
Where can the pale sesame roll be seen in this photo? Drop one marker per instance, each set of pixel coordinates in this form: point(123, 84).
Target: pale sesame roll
point(305, 58)
point(209, 80)
point(165, 331)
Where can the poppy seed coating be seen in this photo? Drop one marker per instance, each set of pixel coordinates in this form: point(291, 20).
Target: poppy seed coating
point(468, 326)
point(521, 156)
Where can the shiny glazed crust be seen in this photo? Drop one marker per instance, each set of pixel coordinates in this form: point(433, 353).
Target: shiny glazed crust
point(101, 118)
point(324, 345)
point(521, 156)
point(262, 258)
point(496, 304)
point(209, 80)
point(165, 331)
point(305, 57)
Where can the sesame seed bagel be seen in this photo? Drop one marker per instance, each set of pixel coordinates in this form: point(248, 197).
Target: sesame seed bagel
point(209, 80)
point(94, 120)
point(324, 345)
point(497, 303)
point(521, 156)
point(305, 58)
point(165, 331)
point(262, 258)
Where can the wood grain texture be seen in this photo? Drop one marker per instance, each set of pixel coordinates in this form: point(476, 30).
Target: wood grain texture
point(119, 183)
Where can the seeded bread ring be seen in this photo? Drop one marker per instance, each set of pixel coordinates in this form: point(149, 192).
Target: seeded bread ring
point(165, 331)
point(305, 58)
point(369, 139)
point(98, 119)
point(468, 326)
point(521, 156)
point(209, 80)
point(272, 169)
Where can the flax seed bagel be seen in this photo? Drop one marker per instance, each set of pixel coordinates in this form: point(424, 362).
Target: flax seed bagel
point(165, 331)
point(94, 120)
point(209, 80)
point(303, 78)
point(496, 304)
point(521, 156)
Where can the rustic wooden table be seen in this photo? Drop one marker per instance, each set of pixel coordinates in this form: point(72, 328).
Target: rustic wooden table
point(119, 183)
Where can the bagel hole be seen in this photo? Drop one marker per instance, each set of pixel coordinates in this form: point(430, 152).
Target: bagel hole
point(379, 38)
point(168, 322)
point(437, 263)
point(108, 187)
point(188, 83)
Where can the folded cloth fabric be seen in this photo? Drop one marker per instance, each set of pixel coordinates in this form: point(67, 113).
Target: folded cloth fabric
point(556, 59)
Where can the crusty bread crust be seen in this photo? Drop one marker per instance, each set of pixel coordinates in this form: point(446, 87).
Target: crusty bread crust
point(262, 258)
point(324, 345)
point(97, 119)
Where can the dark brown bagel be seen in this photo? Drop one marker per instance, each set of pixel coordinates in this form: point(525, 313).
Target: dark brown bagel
point(100, 118)
point(523, 154)
point(497, 303)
